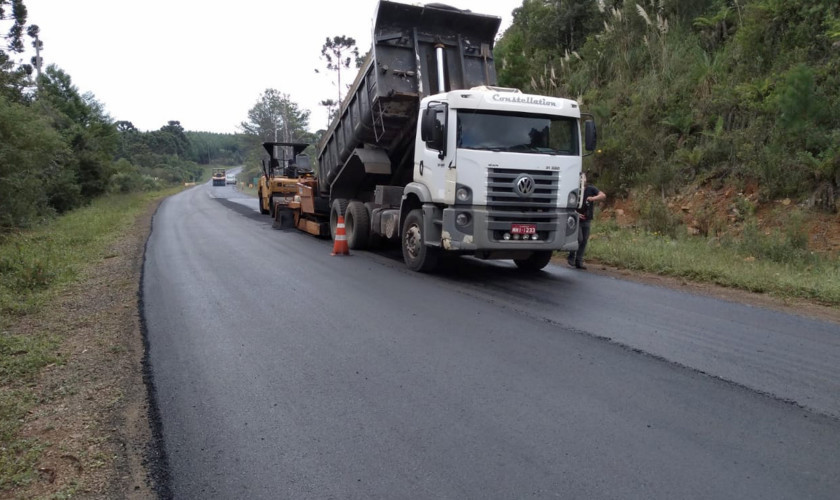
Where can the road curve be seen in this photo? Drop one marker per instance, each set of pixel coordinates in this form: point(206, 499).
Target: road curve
point(283, 372)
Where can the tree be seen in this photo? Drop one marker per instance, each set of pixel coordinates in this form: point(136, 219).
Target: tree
point(125, 126)
point(179, 140)
point(339, 53)
point(14, 39)
point(14, 78)
point(31, 153)
point(332, 108)
point(276, 118)
point(89, 131)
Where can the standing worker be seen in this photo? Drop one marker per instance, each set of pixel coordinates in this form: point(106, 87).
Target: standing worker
point(591, 194)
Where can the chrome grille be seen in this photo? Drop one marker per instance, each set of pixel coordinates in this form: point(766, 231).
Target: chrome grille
point(501, 189)
point(506, 205)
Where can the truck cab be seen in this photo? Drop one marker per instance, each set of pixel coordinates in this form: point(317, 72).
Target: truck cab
point(218, 177)
point(496, 175)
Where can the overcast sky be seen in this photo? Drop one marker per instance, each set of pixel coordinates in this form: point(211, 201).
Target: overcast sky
point(205, 62)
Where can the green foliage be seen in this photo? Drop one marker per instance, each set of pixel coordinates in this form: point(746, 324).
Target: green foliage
point(657, 218)
point(276, 118)
point(212, 148)
point(59, 150)
point(17, 456)
point(29, 150)
point(36, 261)
point(687, 92)
point(786, 245)
point(338, 54)
point(89, 133)
point(14, 78)
point(810, 277)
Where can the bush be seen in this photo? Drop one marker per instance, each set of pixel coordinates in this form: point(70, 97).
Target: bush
point(125, 182)
point(785, 245)
point(28, 148)
point(657, 218)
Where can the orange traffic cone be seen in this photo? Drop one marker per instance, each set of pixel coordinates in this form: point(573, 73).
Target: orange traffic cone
point(340, 246)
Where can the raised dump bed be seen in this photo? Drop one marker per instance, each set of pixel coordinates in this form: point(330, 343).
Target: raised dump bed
point(381, 107)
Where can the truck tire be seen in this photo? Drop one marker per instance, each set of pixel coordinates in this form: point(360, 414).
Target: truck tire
point(417, 256)
point(260, 199)
point(271, 206)
point(535, 262)
point(357, 225)
point(338, 207)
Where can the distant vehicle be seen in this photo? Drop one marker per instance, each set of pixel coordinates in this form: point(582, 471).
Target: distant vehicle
point(218, 177)
point(230, 179)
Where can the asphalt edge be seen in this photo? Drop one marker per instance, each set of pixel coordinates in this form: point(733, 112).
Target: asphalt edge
point(155, 460)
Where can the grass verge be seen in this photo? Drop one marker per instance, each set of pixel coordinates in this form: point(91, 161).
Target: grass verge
point(766, 263)
point(36, 266)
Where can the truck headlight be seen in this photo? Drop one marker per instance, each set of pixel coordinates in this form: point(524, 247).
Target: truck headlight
point(573, 199)
point(463, 194)
point(463, 219)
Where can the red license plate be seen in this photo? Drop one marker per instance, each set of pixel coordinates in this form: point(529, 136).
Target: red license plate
point(523, 229)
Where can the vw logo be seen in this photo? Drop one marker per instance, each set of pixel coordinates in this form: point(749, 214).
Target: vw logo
point(524, 185)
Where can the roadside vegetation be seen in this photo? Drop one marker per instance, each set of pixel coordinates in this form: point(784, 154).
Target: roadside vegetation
point(36, 268)
point(777, 263)
point(719, 128)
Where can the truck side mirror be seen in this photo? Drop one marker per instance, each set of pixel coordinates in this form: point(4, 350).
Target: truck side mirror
point(427, 125)
point(591, 135)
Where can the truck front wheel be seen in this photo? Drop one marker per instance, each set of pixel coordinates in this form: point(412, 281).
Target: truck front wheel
point(417, 256)
point(535, 262)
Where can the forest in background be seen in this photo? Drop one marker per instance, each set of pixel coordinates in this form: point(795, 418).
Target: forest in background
point(693, 95)
point(59, 149)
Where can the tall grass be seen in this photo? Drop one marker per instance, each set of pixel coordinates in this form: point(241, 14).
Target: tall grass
point(33, 263)
point(35, 266)
point(773, 263)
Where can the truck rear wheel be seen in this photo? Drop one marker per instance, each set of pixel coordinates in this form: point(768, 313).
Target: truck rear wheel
point(339, 207)
point(417, 256)
point(357, 225)
point(535, 262)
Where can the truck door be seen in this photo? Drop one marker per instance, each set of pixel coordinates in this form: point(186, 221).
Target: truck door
point(435, 163)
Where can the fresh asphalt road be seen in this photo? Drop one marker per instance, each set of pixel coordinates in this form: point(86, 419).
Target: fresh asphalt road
point(281, 371)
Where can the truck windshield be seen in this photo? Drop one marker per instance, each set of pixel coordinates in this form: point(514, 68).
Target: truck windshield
point(494, 131)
